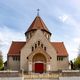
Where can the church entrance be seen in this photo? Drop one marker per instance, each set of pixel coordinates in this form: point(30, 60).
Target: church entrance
point(39, 67)
point(39, 63)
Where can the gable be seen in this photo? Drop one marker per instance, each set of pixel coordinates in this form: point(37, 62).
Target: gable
point(38, 36)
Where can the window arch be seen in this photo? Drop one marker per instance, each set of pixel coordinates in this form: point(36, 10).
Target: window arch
point(32, 48)
point(45, 48)
point(37, 44)
point(42, 45)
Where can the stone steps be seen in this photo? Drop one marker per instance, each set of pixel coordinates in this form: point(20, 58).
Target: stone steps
point(42, 77)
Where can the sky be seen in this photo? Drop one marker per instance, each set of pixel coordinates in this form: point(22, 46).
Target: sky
point(62, 17)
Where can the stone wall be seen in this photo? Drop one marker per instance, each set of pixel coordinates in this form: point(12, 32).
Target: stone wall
point(63, 64)
point(9, 74)
point(26, 51)
point(64, 75)
point(13, 65)
point(11, 78)
point(69, 78)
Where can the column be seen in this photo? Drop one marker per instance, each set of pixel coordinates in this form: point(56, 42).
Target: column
point(48, 66)
point(30, 66)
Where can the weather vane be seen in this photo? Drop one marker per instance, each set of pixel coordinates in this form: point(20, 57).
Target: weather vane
point(38, 12)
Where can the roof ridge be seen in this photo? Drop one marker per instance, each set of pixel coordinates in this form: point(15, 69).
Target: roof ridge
point(18, 41)
point(57, 42)
point(43, 23)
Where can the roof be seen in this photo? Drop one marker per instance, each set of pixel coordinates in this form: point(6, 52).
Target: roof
point(17, 46)
point(60, 48)
point(37, 24)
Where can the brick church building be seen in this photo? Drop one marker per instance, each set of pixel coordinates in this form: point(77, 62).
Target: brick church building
point(37, 53)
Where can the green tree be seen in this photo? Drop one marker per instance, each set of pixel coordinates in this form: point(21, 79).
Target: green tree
point(1, 61)
point(77, 60)
point(77, 63)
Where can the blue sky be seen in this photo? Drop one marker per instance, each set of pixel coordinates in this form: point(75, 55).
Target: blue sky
point(62, 18)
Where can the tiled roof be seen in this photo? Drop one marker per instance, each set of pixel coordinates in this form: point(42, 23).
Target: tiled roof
point(17, 46)
point(37, 24)
point(60, 48)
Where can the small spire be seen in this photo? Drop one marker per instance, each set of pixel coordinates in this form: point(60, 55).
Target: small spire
point(38, 12)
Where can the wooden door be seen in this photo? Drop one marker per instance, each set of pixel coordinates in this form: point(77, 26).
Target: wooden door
point(39, 67)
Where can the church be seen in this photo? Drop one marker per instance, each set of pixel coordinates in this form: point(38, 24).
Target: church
point(37, 54)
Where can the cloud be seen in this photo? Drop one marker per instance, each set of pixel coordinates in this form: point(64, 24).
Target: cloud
point(63, 18)
point(72, 49)
point(77, 40)
point(1, 43)
point(69, 20)
point(76, 3)
point(8, 35)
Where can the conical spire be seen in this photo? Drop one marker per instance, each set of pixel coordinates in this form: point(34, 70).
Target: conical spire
point(37, 24)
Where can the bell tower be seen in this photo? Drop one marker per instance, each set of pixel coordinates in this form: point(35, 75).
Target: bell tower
point(37, 24)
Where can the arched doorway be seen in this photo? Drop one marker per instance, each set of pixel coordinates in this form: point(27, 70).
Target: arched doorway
point(39, 63)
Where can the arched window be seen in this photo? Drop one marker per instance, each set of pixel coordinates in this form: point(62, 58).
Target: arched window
point(45, 48)
point(47, 36)
point(42, 45)
point(38, 43)
point(32, 48)
point(35, 45)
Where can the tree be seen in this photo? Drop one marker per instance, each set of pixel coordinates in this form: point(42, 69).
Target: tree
point(77, 60)
point(1, 61)
point(77, 63)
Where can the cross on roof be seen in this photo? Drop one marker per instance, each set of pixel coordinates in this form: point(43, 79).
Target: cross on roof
point(38, 12)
